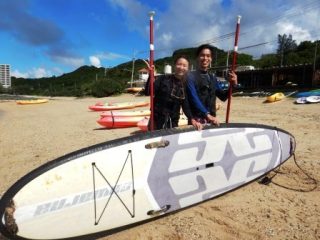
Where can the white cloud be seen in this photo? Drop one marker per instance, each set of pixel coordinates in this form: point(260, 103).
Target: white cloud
point(41, 72)
point(112, 56)
point(69, 61)
point(299, 34)
point(95, 61)
point(16, 73)
point(186, 23)
point(33, 73)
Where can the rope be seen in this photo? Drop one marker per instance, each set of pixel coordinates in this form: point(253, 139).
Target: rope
point(112, 119)
point(266, 180)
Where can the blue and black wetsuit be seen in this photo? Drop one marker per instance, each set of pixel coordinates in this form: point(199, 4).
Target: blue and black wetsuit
point(202, 89)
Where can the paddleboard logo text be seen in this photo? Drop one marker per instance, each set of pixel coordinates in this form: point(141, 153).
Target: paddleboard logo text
point(78, 199)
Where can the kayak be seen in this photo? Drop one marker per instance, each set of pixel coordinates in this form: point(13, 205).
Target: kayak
point(119, 122)
point(134, 89)
point(32, 101)
point(276, 97)
point(308, 94)
point(117, 106)
point(141, 113)
point(143, 123)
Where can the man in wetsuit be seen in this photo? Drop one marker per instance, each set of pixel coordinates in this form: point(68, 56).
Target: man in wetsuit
point(203, 87)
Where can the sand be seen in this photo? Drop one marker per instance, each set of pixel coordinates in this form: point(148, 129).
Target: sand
point(288, 208)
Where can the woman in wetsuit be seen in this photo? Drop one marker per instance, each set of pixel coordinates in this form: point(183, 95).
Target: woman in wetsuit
point(170, 96)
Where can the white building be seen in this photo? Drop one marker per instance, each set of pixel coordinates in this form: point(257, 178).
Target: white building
point(5, 78)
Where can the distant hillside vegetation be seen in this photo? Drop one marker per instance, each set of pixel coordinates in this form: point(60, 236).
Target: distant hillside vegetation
point(100, 82)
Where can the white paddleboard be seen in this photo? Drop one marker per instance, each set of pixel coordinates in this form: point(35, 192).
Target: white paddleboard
point(118, 184)
point(301, 100)
point(313, 99)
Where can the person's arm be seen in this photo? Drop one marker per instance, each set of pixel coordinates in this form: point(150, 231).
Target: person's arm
point(194, 96)
point(187, 111)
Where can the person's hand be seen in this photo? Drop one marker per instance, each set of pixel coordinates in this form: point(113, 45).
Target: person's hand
point(196, 124)
point(213, 120)
point(233, 78)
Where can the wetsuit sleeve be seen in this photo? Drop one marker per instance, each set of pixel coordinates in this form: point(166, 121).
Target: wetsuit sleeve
point(156, 85)
point(147, 87)
point(186, 108)
point(193, 96)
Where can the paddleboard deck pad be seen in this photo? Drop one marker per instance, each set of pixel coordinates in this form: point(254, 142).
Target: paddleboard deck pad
point(121, 183)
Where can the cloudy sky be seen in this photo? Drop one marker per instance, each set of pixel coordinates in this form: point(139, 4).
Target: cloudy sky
point(51, 37)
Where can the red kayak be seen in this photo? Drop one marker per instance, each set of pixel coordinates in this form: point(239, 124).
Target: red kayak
point(143, 123)
point(117, 106)
point(119, 122)
point(141, 113)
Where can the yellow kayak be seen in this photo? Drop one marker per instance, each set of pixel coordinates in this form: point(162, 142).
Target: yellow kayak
point(276, 97)
point(33, 101)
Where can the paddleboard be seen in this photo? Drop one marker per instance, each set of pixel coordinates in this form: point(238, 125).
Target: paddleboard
point(118, 184)
point(313, 99)
point(301, 100)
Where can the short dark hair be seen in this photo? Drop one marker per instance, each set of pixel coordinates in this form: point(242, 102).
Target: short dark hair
point(181, 56)
point(204, 46)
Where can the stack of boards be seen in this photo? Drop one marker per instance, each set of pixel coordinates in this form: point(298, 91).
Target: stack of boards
point(114, 117)
point(308, 97)
point(109, 187)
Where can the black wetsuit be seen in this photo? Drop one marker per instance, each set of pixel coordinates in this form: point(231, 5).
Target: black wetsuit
point(169, 97)
point(203, 88)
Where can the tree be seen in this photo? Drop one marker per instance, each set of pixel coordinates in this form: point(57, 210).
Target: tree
point(267, 60)
point(285, 46)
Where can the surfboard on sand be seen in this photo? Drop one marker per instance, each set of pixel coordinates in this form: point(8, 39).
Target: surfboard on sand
point(121, 183)
point(313, 99)
point(310, 99)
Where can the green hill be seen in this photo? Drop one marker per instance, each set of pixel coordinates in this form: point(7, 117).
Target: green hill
point(100, 82)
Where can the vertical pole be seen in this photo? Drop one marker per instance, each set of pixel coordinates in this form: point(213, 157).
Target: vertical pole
point(132, 70)
point(313, 81)
point(233, 67)
point(151, 71)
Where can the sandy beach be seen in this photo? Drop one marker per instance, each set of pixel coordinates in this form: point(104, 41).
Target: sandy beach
point(288, 208)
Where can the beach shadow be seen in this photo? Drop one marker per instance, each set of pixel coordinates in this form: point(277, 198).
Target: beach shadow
point(137, 132)
point(102, 128)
